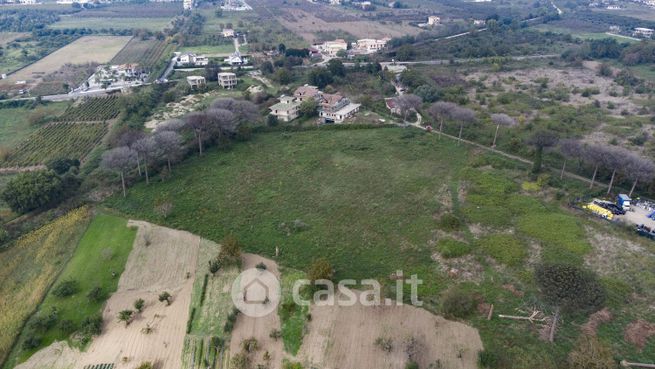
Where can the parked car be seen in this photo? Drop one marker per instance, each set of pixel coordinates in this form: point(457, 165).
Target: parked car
point(644, 231)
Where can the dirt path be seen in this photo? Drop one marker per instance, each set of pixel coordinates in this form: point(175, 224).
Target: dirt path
point(344, 337)
point(259, 328)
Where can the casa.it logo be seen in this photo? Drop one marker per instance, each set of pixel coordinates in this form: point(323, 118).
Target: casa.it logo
point(256, 293)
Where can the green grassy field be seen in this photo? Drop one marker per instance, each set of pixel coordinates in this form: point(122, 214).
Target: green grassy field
point(15, 125)
point(217, 49)
point(370, 201)
point(152, 24)
point(98, 262)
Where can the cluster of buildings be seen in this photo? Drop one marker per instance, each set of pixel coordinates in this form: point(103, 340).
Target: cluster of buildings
point(332, 108)
point(190, 60)
point(227, 80)
point(122, 75)
point(362, 46)
point(235, 6)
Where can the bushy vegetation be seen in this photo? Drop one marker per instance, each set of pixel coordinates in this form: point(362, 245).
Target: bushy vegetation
point(30, 266)
point(570, 287)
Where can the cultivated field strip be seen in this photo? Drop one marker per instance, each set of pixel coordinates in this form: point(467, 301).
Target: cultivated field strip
point(92, 110)
point(57, 140)
point(146, 53)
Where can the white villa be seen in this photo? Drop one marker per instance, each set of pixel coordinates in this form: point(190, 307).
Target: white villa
point(287, 109)
point(331, 48)
point(228, 32)
point(643, 32)
point(370, 45)
point(235, 59)
point(191, 60)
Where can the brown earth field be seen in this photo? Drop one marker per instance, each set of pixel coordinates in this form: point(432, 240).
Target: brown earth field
point(307, 25)
point(345, 337)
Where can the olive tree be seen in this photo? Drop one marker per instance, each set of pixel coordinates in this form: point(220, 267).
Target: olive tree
point(541, 140)
point(119, 160)
point(198, 122)
point(170, 144)
point(440, 111)
point(639, 169)
point(407, 103)
point(464, 116)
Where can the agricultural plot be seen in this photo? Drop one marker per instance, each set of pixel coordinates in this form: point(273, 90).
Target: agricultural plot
point(140, 11)
point(56, 140)
point(30, 266)
point(88, 49)
point(143, 52)
point(92, 110)
point(16, 124)
point(375, 201)
point(211, 303)
point(100, 23)
point(99, 257)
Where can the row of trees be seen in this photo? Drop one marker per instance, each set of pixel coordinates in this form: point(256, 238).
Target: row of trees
point(171, 141)
point(618, 161)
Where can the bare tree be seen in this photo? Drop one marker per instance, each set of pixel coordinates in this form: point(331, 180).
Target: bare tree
point(199, 123)
point(119, 160)
point(222, 122)
point(170, 144)
point(615, 159)
point(244, 111)
point(639, 170)
point(128, 138)
point(407, 103)
point(501, 120)
point(465, 116)
point(541, 140)
point(147, 150)
point(570, 149)
point(441, 110)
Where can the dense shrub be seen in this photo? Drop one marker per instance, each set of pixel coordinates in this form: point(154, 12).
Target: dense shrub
point(570, 287)
point(457, 302)
point(590, 353)
point(450, 222)
point(66, 288)
point(33, 190)
point(450, 248)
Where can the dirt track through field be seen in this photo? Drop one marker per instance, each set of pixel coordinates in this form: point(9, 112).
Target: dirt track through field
point(344, 337)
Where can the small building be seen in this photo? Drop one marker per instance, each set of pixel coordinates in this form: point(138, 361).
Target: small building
point(235, 59)
point(433, 20)
point(479, 22)
point(187, 4)
point(390, 102)
point(228, 32)
point(615, 29)
point(287, 109)
point(306, 92)
point(227, 80)
point(196, 81)
point(643, 32)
